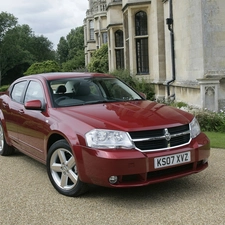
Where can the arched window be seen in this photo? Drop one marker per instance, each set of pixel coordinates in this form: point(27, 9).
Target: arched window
point(141, 25)
point(141, 37)
point(91, 29)
point(119, 38)
point(119, 48)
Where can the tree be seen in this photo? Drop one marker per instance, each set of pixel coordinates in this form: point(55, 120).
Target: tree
point(75, 41)
point(41, 48)
point(19, 48)
point(7, 21)
point(62, 50)
point(43, 67)
point(12, 51)
point(99, 60)
point(77, 62)
point(70, 50)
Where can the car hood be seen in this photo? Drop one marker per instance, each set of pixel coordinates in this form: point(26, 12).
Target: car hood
point(127, 116)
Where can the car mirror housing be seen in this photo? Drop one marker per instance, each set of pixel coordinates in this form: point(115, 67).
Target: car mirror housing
point(143, 95)
point(34, 105)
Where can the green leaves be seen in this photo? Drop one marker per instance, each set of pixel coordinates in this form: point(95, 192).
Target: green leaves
point(19, 47)
point(7, 21)
point(99, 60)
point(211, 121)
point(70, 50)
point(43, 67)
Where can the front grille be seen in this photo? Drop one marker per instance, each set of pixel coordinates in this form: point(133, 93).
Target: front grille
point(161, 139)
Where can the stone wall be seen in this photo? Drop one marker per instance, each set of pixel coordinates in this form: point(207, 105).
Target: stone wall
point(199, 44)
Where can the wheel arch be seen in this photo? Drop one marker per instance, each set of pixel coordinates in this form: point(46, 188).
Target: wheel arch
point(52, 139)
point(58, 136)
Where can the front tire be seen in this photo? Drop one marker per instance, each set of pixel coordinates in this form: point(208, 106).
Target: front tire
point(5, 149)
point(62, 170)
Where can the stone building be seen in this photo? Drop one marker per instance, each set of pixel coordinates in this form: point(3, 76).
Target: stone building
point(179, 45)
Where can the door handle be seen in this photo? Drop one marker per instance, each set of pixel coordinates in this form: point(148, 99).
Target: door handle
point(21, 111)
point(5, 104)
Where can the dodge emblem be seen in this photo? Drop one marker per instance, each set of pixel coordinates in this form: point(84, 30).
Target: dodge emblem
point(167, 134)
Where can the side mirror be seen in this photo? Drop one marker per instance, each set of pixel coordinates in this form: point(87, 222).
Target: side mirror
point(34, 104)
point(143, 95)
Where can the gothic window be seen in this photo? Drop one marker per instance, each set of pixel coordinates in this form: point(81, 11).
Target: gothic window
point(126, 34)
point(142, 55)
point(119, 38)
point(91, 27)
point(141, 27)
point(119, 59)
point(141, 36)
point(126, 26)
point(104, 38)
point(119, 48)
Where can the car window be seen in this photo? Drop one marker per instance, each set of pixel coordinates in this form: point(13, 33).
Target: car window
point(34, 92)
point(17, 91)
point(80, 91)
point(114, 88)
point(117, 89)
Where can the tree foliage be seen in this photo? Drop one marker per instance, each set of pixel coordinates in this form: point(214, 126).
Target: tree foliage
point(99, 60)
point(43, 67)
point(62, 50)
point(70, 50)
point(7, 21)
point(19, 47)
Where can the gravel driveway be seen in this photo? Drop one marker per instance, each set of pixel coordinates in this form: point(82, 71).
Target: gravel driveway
point(27, 197)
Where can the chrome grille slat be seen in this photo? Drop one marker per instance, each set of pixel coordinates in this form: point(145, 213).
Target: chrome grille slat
point(156, 140)
point(161, 137)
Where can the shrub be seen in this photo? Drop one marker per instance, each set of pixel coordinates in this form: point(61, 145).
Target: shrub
point(211, 121)
point(208, 120)
point(99, 60)
point(43, 67)
point(4, 88)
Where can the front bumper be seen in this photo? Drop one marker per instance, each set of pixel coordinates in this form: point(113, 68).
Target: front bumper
point(135, 168)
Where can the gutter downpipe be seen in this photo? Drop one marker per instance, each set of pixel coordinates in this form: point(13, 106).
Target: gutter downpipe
point(169, 22)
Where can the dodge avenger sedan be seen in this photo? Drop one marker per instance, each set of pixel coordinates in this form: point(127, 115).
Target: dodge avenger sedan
point(92, 128)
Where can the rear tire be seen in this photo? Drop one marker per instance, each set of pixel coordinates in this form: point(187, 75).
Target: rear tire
point(62, 170)
point(5, 149)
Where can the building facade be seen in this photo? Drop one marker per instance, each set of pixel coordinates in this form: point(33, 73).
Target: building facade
point(177, 45)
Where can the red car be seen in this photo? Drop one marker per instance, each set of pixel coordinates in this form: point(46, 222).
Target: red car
point(93, 129)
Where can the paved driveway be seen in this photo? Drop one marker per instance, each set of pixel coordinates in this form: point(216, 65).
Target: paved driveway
point(27, 197)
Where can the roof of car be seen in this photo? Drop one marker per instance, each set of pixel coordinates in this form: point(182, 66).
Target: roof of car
point(61, 75)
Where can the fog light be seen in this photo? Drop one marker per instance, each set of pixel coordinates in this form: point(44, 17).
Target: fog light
point(113, 179)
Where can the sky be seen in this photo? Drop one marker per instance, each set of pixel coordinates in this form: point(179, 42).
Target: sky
point(50, 18)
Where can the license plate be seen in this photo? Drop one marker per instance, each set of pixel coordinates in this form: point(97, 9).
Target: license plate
point(171, 160)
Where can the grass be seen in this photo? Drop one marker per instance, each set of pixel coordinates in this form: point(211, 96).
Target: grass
point(217, 140)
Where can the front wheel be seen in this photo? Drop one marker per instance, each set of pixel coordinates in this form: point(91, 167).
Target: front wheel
point(62, 170)
point(5, 149)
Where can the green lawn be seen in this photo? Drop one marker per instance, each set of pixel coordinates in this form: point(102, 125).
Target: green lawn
point(217, 140)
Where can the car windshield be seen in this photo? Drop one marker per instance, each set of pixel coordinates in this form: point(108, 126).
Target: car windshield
point(80, 91)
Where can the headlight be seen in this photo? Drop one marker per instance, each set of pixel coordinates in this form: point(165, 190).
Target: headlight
point(194, 128)
point(108, 139)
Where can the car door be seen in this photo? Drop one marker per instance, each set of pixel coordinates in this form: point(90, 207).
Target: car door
point(34, 123)
point(12, 105)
